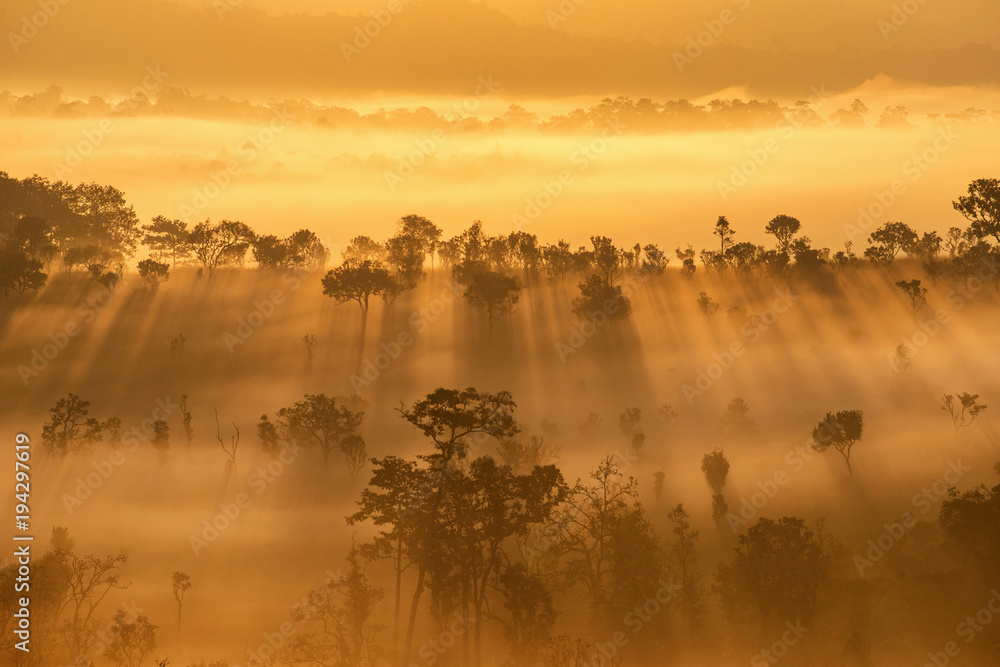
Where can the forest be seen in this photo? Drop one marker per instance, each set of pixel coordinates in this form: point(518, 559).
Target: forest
point(517, 451)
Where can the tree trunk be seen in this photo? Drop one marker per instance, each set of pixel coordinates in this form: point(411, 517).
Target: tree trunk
point(399, 585)
point(412, 622)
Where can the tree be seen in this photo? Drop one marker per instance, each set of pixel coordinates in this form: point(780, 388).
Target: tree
point(357, 281)
point(153, 273)
point(600, 300)
point(88, 580)
point(181, 583)
point(707, 304)
point(493, 294)
point(161, 439)
point(392, 501)
point(686, 256)
point(736, 422)
point(310, 343)
point(167, 238)
point(19, 272)
point(321, 421)
point(970, 522)
point(448, 417)
point(783, 228)
point(889, 240)
point(964, 411)
point(715, 467)
point(916, 293)
point(415, 238)
point(776, 573)
point(725, 233)
point(981, 207)
point(605, 542)
point(531, 613)
point(71, 430)
point(219, 245)
point(339, 613)
point(658, 478)
point(362, 248)
point(109, 220)
point(133, 641)
point(840, 431)
point(683, 557)
point(187, 418)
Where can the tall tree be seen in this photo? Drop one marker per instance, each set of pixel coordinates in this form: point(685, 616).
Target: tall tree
point(167, 238)
point(219, 245)
point(841, 431)
point(493, 294)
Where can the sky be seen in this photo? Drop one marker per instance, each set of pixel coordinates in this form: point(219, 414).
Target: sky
point(223, 62)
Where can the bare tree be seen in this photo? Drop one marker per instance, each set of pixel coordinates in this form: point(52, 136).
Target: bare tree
point(230, 450)
point(964, 411)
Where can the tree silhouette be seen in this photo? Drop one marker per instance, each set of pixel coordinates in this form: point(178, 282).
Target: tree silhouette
point(181, 583)
point(916, 294)
point(604, 541)
point(71, 430)
point(153, 273)
point(684, 559)
point(736, 422)
point(840, 431)
point(219, 245)
point(326, 422)
point(493, 294)
point(776, 573)
point(600, 299)
point(783, 228)
point(707, 304)
point(339, 615)
point(167, 238)
point(133, 642)
point(357, 281)
point(531, 613)
point(981, 207)
point(447, 417)
point(161, 439)
point(715, 467)
point(310, 342)
point(964, 411)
